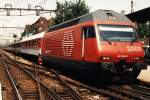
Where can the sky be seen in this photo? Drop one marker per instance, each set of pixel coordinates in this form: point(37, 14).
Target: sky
point(116, 5)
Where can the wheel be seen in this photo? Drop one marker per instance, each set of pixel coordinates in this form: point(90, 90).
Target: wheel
point(40, 60)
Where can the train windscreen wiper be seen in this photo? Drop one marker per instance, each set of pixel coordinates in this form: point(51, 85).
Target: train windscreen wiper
point(105, 39)
point(132, 41)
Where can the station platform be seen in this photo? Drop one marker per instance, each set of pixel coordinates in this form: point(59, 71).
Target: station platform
point(145, 75)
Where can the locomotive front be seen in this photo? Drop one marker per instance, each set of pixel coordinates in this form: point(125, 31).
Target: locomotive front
point(120, 51)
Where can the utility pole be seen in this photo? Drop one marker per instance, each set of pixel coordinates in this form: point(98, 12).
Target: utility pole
point(132, 8)
point(11, 27)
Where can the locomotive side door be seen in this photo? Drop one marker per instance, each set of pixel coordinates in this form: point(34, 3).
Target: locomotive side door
point(88, 43)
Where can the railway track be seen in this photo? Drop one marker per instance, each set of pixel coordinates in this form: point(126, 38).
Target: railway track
point(144, 90)
point(53, 81)
point(130, 92)
point(25, 86)
point(119, 92)
point(42, 83)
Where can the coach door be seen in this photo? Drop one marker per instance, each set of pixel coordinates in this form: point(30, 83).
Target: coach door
point(88, 38)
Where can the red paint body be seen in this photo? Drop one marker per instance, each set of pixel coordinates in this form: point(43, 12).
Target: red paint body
point(67, 44)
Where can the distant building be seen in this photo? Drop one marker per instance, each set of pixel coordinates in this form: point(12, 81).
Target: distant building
point(39, 26)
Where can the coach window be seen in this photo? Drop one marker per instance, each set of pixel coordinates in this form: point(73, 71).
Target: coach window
point(89, 32)
point(29, 43)
point(26, 43)
point(34, 43)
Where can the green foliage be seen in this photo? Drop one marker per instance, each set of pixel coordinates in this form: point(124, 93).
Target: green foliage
point(69, 10)
point(23, 34)
point(143, 30)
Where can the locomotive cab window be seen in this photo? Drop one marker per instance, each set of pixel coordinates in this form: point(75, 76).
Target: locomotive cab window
point(117, 33)
point(89, 32)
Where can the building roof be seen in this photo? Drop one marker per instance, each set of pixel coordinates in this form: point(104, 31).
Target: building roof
point(141, 16)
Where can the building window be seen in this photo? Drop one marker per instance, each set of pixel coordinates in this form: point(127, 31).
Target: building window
point(40, 28)
point(42, 22)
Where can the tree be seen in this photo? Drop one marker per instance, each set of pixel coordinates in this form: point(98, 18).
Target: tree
point(143, 30)
point(69, 10)
point(23, 34)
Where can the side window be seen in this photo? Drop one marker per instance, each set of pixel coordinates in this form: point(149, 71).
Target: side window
point(89, 32)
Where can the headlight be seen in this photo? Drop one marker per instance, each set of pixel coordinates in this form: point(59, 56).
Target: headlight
point(105, 58)
point(137, 58)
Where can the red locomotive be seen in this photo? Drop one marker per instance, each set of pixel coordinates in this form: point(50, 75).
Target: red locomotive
point(103, 41)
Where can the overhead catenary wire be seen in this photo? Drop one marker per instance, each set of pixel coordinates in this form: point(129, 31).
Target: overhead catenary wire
point(18, 10)
point(44, 3)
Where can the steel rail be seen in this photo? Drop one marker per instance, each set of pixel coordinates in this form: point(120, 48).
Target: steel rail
point(55, 95)
point(121, 94)
point(104, 92)
point(38, 83)
point(140, 89)
point(73, 93)
point(12, 80)
point(52, 93)
point(101, 91)
point(129, 93)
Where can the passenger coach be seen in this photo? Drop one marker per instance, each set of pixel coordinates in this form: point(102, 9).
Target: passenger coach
point(29, 45)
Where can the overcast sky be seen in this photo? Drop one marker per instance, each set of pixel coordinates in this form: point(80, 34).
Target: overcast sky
point(116, 5)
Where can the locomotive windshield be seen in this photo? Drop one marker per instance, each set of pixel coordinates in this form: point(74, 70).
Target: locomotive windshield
point(117, 33)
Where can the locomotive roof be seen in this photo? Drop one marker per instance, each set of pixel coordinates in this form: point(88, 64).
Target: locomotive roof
point(100, 14)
